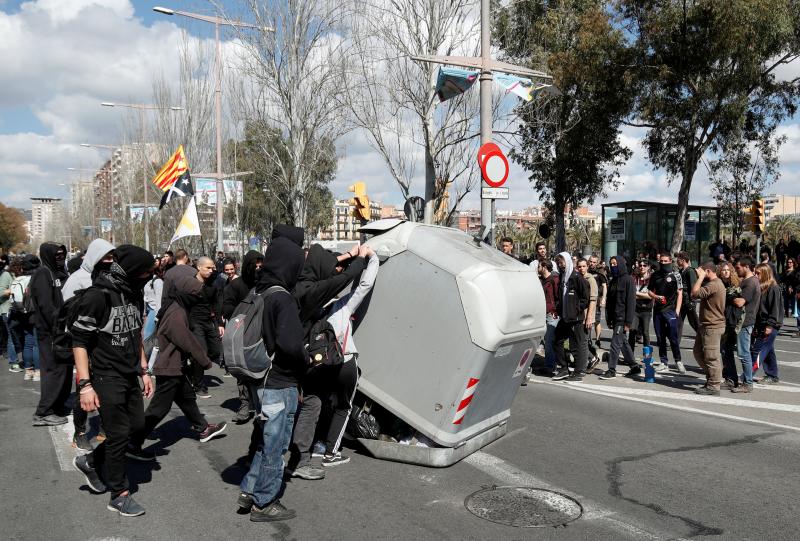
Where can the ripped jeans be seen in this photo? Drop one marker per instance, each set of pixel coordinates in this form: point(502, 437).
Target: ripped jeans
point(264, 481)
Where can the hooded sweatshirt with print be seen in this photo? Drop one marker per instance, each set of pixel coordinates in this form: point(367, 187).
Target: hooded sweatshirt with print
point(46, 284)
point(621, 303)
point(341, 312)
point(281, 329)
point(573, 293)
point(109, 322)
point(82, 278)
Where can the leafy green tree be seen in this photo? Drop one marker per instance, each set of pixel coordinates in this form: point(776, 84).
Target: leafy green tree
point(12, 227)
point(569, 142)
point(705, 74)
point(740, 175)
point(267, 199)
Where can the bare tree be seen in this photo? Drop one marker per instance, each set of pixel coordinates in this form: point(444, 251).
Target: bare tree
point(392, 98)
point(293, 69)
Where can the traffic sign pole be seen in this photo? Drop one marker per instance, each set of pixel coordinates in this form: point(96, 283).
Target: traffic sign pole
point(487, 205)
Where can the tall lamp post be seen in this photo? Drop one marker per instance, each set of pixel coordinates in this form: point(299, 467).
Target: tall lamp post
point(219, 176)
point(141, 108)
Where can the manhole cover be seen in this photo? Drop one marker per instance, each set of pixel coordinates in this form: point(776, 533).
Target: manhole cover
point(523, 507)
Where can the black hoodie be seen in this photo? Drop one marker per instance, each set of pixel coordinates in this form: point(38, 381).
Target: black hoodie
point(319, 283)
point(621, 300)
point(291, 232)
point(236, 291)
point(282, 329)
point(109, 322)
point(46, 284)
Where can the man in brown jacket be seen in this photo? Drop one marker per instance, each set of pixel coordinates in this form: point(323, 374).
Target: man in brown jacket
point(711, 292)
point(178, 349)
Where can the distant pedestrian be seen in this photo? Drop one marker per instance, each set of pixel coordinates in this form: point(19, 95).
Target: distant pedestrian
point(572, 301)
point(768, 324)
point(21, 316)
point(734, 318)
point(600, 276)
point(688, 278)
point(644, 306)
point(550, 286)
point(620, 314)
point(6, 277)
point(750, 300)
point(711, 291)
point(591, 313)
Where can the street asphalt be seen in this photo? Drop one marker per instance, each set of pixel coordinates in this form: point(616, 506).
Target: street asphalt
point(645, 461)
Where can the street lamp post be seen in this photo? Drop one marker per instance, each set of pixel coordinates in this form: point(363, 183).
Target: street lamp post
point(141, 108)
point(216, 21)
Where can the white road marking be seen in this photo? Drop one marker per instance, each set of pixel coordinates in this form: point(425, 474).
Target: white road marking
point(508, 474)
point(62, 443)
point(586, 389)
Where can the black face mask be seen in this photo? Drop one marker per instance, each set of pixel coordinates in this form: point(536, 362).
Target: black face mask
point(103, 266)
point(137, 284)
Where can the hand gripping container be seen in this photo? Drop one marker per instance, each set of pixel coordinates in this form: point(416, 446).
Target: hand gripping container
point(446, 337)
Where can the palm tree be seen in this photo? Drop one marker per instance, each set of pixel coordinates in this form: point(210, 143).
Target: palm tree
point(781, 227)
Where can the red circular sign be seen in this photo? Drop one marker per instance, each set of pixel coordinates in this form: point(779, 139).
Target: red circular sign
point(493, 164)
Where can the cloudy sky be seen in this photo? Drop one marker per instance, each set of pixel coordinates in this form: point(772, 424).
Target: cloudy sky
point(60, 58)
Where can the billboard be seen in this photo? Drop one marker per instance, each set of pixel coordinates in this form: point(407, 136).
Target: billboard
point(205, 190)
point(137, 212)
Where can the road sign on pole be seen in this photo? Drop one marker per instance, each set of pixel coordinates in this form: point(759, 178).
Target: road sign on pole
point(494, 193)
point(493, 164)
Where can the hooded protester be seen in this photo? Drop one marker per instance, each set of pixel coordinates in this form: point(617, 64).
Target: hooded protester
point(320, 282)
point(620, 315)
point(291, 232)
point(234, 293)
point(56, 381)
point(178, 348)
point(284, 339)
point(571, 303)
point(74, 264)
point(97, 259)
point(82, 277)
point(108, 330)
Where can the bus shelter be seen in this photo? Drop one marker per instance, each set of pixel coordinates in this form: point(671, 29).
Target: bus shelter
point(635, 227)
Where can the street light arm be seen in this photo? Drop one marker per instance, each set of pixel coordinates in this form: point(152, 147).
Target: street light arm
point(210, 19)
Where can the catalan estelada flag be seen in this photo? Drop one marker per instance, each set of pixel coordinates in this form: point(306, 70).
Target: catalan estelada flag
point(174, 179)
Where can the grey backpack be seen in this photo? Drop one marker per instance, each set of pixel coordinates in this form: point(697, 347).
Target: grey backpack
point(243, 344)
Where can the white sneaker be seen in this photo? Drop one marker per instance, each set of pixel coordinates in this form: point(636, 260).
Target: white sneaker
point(37, 375)
point(681, 368)
point(661, 367)
point(28, 374)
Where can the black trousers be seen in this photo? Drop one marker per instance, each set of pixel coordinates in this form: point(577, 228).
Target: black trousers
point(169, 390)
point(619, 344)
point(122, 414)
point(641, 327)
point(689, 311)
point(208, 335)
point(344, 390)
point(576, 334)
point(56, 383)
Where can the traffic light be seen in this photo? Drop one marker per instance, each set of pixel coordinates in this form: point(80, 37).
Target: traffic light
point(757, 216)
point(360, 201)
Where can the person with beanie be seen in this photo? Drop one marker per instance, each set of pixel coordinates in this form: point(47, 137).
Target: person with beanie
point(108, 331)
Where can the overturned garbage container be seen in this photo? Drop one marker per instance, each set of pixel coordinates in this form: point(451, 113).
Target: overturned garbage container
point(444, 341)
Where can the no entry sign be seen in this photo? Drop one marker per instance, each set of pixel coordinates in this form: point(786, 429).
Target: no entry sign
point(493, 164)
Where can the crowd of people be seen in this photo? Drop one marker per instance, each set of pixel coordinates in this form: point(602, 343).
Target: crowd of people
point(735, 306)
point(141, 326)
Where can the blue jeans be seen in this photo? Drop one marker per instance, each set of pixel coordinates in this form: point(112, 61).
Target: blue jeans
point(743, 349)
point(28, 341)
point(667, 327)
point(12, 347)
point(264, 481)
point(549, 335)
point(149, 323)
point(763, 349)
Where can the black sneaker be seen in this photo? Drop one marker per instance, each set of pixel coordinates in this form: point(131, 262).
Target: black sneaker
point(81, 441)
point(561, 374)
point(334, 460)
point(593, 364)
point(608, 374)
point(634, 371)
point(139, 454)
point(243, 415)
point(244, 501)
point(211, 432)
point(126, 506)
point(271, 513)
point(203, 393)
point(308, 473)
point(96, 485)
point(576, 376)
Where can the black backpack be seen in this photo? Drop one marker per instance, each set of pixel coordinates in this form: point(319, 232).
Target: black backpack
point(322, 345)
point(62, 335)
